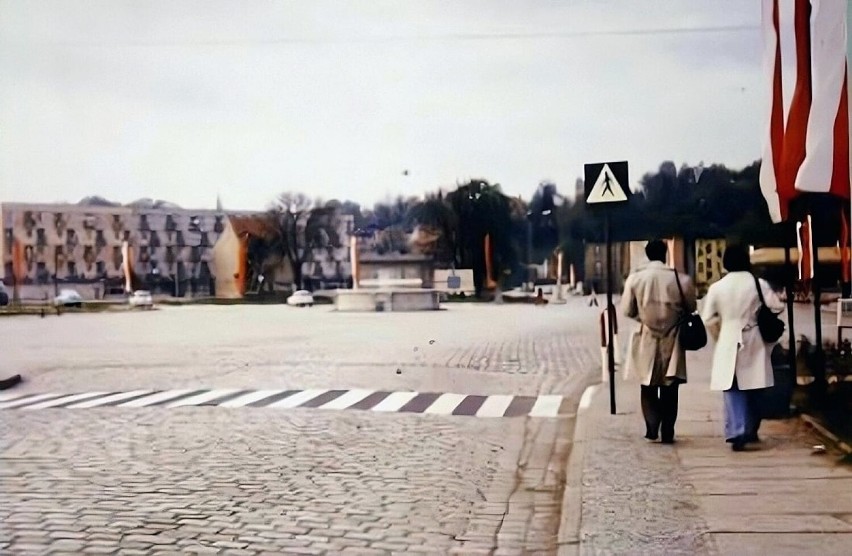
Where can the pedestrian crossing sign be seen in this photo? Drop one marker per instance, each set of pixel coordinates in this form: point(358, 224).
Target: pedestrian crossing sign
point(606, 182)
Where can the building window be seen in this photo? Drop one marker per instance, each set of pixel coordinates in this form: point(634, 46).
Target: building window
point(8, 240)
point(72, 269)
point(205, 242)
point(195, 256)
point(41, 238)
point(71, 240)
point(10, 275)
point(42, 277)
point(171, 225)
point(143, 223)
point(101, 268)
point(194, 224)
point(179, 240)
point(117, 257)
point(100, 241)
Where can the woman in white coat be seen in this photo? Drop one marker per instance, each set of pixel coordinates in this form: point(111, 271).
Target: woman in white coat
point(742, 366)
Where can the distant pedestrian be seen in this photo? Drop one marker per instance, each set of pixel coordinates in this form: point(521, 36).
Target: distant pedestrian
point(742, 364)
point(652, 295)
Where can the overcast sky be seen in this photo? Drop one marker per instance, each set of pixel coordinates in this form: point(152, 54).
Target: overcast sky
point(182, 100)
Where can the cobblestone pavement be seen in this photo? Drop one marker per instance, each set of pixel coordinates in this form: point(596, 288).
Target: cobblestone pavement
point(298, 481)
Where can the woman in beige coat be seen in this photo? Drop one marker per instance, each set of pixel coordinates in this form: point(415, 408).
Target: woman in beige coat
point(741, 362)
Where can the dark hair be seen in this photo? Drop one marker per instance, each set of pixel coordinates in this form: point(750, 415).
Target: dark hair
point(656, 250)
point(736, 259)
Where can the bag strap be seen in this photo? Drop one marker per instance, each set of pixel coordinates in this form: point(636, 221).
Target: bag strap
point(680, 289)
point(759, 290)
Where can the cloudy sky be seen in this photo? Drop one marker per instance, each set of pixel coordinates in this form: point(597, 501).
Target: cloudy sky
point(182, 100)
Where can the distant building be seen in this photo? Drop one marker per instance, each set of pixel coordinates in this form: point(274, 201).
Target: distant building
point(62, 244)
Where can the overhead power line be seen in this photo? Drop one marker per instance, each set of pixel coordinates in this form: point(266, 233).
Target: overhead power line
point(499, 36)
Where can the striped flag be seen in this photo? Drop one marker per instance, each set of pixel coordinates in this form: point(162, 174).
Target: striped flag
point(810, 154)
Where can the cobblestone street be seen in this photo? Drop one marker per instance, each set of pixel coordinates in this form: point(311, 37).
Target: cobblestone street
point(151, 480)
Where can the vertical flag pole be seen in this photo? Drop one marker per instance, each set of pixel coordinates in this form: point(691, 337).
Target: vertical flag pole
point(789, 283)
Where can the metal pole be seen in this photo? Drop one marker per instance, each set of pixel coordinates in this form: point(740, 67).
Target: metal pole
point(788, 283)
point(610, 348)
point(819, 367)
point(529, 251)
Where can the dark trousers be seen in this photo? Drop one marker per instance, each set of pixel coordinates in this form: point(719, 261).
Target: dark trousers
point(659, 406)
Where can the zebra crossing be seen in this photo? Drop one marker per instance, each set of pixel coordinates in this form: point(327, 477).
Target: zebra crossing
point(431, 403)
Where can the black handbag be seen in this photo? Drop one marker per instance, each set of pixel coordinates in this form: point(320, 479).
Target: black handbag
point(771, 327)
point(691, 331)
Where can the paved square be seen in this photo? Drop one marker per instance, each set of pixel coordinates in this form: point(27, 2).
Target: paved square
point(233, 479)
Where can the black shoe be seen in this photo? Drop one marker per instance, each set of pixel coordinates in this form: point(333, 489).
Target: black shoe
point(738, 445)
point(666, 440)
point(751, 438)
point(651, 437)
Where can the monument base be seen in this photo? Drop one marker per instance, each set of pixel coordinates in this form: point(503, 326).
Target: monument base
point(387, 299)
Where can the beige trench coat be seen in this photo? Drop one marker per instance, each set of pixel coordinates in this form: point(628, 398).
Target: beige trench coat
point(651, 296)
point(732, 302)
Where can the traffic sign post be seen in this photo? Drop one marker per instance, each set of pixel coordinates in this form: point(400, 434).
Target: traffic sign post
point(607, 186)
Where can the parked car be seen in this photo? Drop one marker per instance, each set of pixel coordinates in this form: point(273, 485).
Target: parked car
point(141, 298)
point(4, 297)
point(301, 298)
point(68, 298)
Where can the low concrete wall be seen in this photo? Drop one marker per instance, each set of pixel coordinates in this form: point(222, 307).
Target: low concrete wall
point(371, 300)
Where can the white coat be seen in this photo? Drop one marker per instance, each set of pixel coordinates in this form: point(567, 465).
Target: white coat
point(651, 296)
point(730, 313)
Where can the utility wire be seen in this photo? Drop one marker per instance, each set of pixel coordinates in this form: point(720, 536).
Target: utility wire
point(502, 36)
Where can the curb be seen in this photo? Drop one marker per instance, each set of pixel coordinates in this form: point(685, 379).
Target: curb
point(825, 433)
point(568, 538)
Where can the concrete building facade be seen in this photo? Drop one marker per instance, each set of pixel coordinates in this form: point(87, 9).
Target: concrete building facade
point(44, 247)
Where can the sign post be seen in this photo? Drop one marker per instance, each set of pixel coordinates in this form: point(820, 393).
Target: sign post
point(606, 187)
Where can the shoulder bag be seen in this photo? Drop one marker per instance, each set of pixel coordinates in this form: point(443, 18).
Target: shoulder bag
point(691, 331)
point(771, 327)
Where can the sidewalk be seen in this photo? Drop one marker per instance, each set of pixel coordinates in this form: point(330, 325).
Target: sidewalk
point(627, 496)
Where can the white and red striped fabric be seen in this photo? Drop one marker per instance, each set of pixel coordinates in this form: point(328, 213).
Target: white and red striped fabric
point(811, 153)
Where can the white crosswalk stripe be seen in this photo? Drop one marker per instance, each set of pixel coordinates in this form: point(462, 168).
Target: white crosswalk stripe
point(297, 399)
point(109, 399)
point(348, 399)
point(494, 406)
point(546, 406)
point(65, 399)
point(155, 398)
point(26, 401)
point(251, 397)
point(201, 398)
point(445, 404)
point(395, 401)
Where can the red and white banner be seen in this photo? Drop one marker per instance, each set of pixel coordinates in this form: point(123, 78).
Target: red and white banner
point(811, 152)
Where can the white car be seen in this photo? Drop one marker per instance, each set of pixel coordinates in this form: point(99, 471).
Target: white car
point(301, 298)
point(68, 298)
point(141, 298)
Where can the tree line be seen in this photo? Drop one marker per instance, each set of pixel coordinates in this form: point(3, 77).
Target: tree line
point(715, 202)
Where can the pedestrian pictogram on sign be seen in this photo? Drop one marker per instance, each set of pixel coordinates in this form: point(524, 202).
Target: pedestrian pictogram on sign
point(606, 183)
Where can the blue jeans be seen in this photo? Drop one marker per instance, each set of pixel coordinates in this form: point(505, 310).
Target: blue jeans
point(742, 413)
